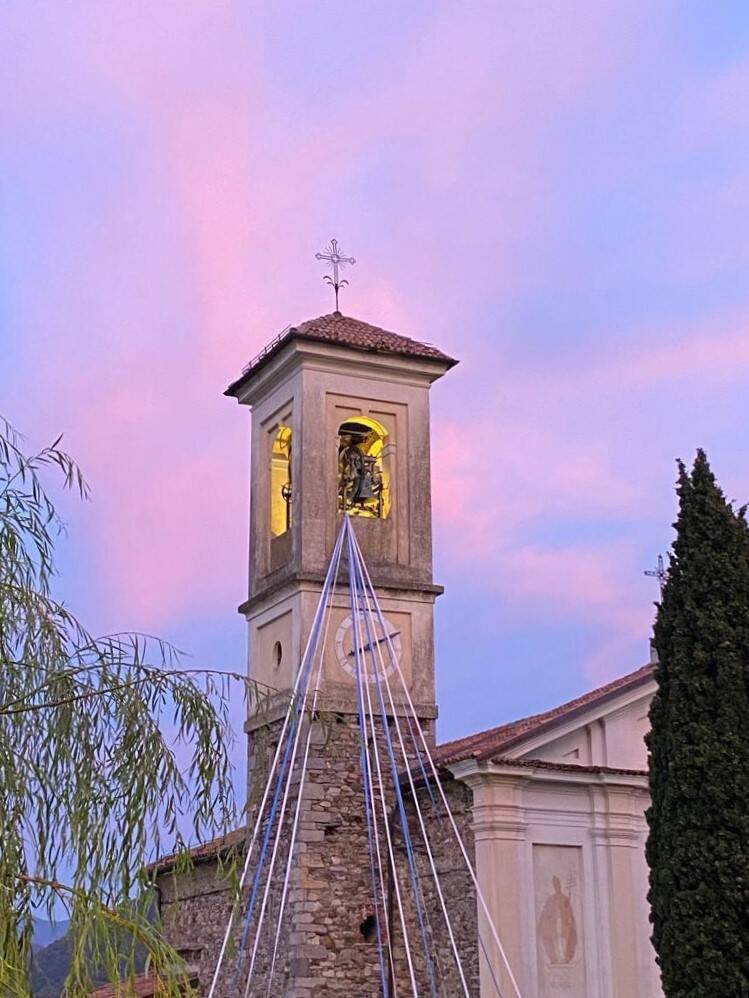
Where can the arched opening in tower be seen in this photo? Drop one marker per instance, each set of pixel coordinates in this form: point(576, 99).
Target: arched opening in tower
point(364, 468)
point(280, 482)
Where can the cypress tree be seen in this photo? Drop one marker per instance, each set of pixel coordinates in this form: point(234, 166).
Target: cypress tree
point(698, 844)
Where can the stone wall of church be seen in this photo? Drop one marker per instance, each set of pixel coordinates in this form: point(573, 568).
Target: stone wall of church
point(457, 889)
point(326, 948)
point(195, 908)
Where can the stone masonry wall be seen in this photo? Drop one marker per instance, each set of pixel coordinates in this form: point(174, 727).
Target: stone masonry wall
point(195, 908)
point(325, 949)
point(457, 890)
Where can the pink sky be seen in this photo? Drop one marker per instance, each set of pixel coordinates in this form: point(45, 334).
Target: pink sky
point(558, 194)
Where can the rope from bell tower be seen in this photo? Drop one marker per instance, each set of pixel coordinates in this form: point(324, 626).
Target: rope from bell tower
point(375, 856)
point(438, 783)
point(394, 709)
point(356, 583)
point(369, 725)
point(297, 709)
point(300, 795)
point(319, 650)
point(324, 599)
point(427, 783)
point(380, 670)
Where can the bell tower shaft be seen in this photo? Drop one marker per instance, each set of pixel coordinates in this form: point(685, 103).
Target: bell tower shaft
point(340, 427)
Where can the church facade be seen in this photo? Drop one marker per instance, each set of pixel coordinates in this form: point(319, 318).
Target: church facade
point(550, 808)
point(557, 809)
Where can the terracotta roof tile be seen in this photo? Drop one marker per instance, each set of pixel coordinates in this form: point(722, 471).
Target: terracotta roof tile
point(485, 744)
point(202, 851)
point(344, 331)
point(143, 986)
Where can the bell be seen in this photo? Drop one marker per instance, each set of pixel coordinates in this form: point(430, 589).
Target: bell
point(366, 486)
point(364, 489)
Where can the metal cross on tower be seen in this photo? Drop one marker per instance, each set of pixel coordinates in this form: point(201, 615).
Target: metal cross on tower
point(658, 573)
point(334, 256)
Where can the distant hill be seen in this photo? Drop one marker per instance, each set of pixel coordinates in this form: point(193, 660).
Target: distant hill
point(51, 964)
point(48, 932)
point(50, 968)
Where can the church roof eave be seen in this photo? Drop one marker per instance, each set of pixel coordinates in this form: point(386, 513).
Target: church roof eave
point(202, 852)
point(497, 741)
point(345, 331)
point(552, 766)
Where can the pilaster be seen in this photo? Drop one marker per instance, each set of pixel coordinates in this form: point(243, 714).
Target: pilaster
point(500, 830)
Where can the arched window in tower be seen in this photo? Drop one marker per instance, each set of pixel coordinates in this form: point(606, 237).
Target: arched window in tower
point(363, 468)
point(280, 482)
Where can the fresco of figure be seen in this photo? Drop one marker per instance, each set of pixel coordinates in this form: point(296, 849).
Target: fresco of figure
point(557, 928)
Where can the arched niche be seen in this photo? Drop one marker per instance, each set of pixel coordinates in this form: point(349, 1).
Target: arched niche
point(364, 471)
point(280, 481)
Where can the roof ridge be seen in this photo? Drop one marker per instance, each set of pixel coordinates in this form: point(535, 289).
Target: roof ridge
point(340, 317)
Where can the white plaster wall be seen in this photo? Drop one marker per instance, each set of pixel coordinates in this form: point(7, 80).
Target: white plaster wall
point(571, 748)
point(516, 810)
point(625, 735)
point(609, 734)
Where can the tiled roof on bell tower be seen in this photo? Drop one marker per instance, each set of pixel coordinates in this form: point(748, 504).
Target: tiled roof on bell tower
point(348, 332)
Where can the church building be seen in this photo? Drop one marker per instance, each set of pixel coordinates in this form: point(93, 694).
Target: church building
point(550, 808)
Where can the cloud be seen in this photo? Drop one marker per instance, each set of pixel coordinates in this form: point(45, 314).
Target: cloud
point(177, 174)
point(183, 270)
point(551, 491)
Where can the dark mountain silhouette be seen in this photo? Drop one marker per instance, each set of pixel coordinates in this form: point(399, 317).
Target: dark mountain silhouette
point(51, 964)
point(50, 968)
point(46, 932)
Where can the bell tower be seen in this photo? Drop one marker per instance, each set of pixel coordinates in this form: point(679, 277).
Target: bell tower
point(340, 426)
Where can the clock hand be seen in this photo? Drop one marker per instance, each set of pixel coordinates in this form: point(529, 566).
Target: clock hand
point(368, 646)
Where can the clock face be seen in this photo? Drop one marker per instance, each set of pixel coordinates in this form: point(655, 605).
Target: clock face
point(346, 654)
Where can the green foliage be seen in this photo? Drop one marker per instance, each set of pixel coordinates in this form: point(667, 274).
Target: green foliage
point(90, 784)
point(698, 846)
